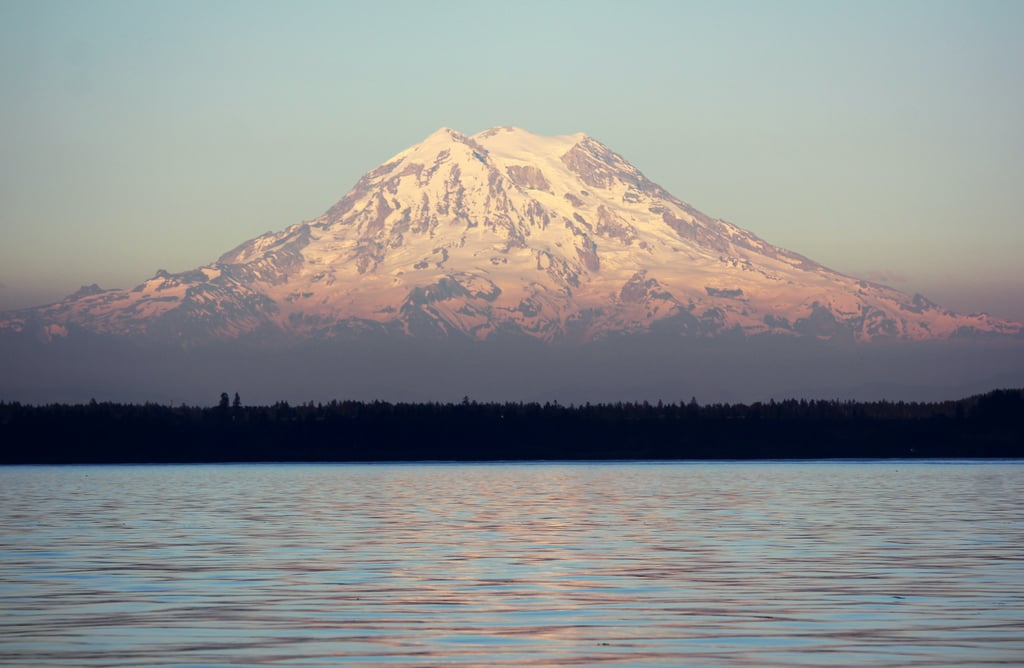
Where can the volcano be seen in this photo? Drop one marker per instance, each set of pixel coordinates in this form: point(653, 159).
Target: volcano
point(505, 233)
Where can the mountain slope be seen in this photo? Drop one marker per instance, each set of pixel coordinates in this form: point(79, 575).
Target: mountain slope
point(506, 233)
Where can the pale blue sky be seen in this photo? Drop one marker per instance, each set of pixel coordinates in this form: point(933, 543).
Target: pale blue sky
point(883, 139)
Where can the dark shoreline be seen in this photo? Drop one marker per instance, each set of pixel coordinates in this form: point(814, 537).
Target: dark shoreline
point(983, 426)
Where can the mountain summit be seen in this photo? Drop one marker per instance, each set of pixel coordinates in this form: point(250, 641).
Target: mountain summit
point(506, 233)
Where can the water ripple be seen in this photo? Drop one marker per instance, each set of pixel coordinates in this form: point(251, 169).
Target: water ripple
point(767, 564)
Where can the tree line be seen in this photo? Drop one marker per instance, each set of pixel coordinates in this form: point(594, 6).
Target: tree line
point(988, 425)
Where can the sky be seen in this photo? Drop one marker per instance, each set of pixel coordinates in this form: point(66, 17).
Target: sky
point(882, 139)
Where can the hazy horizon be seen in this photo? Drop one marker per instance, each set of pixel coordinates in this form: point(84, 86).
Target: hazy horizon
point(649, 367)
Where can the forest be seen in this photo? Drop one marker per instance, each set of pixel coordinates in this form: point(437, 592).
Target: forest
point(989, 425)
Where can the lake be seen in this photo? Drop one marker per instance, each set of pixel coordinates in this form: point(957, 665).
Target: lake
point(888, 563)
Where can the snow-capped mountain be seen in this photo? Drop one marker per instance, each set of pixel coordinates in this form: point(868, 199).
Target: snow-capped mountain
point(506, 232)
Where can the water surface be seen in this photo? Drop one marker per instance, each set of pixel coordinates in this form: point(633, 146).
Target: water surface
point(718, 564)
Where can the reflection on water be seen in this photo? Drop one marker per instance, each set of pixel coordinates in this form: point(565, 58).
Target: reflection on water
point(768, 564)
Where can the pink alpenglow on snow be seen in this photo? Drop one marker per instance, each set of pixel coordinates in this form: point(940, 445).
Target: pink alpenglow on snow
point(506, 232)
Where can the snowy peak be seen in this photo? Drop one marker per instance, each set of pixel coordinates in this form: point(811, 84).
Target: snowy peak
point(514, 145)
point(506, 232)
point(440, 140)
